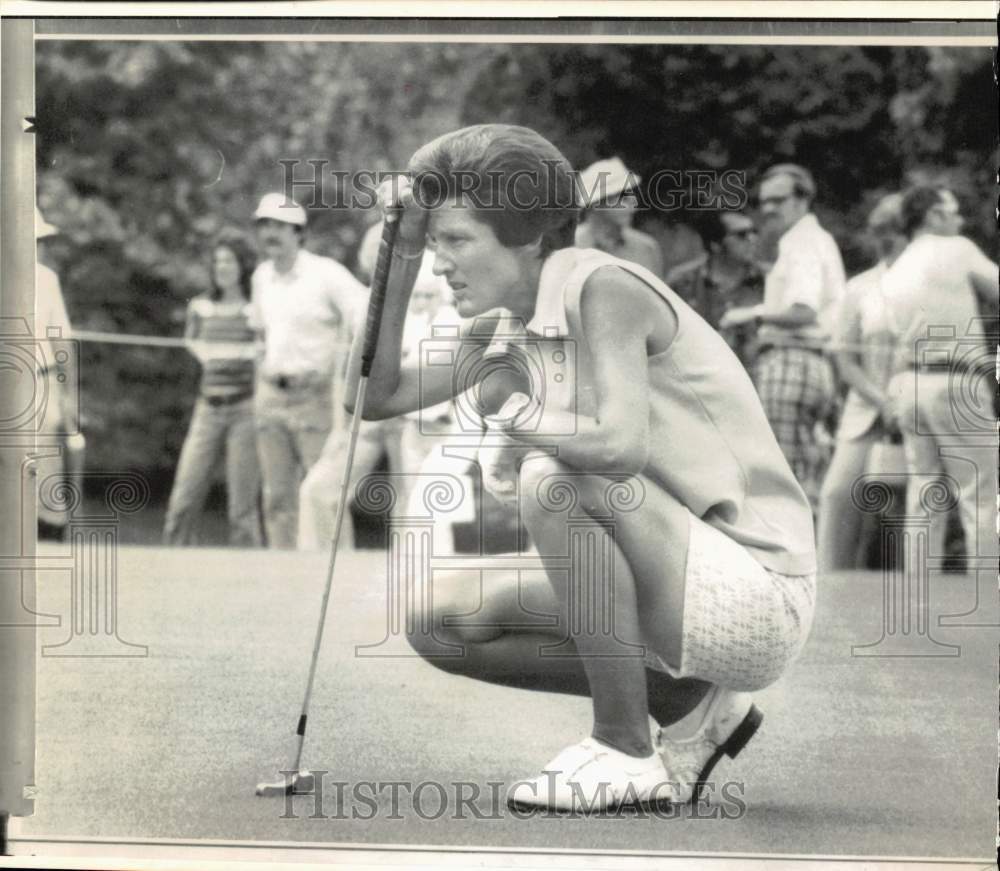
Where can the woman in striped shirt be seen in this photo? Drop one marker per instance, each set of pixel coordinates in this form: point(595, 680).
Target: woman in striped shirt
point(220, 337)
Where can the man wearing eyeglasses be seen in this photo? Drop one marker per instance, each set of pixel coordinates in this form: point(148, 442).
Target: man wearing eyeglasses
point(727, 276)
point(944, 383)
point(794, 375)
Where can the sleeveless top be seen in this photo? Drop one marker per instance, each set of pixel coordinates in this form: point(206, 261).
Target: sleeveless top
point(225, 346)
point(711, 446)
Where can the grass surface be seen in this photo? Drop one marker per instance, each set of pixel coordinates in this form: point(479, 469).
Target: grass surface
point(857, 756)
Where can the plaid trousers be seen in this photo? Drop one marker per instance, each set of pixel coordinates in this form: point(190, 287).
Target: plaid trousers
point(798, 390)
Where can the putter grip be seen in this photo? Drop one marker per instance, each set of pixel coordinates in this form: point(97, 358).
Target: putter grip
point(376, 301)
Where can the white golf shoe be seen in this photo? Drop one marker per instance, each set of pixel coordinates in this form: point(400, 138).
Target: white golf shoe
point(591, 776)
point(690, 751)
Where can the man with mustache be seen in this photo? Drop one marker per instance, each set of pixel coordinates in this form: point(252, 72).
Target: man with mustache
point(304, 305)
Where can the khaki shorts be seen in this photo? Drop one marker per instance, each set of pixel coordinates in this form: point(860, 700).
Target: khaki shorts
point(743, 624)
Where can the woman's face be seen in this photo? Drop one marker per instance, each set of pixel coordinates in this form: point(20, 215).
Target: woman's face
point(226, 268)
point(482, 273)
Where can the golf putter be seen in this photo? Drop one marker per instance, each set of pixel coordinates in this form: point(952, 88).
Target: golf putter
point(299, 781)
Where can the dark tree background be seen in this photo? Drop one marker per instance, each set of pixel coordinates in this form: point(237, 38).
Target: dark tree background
point(146, 149)
point(865, 120)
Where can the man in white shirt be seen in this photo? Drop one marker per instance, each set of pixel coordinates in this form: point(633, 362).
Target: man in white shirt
point(802, 292)
point(304, 305)
point(400, 439)
point(864, 351)
point(944, 383)
point(61, 444)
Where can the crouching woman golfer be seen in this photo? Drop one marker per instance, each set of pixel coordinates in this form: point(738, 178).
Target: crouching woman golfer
point(697, 587)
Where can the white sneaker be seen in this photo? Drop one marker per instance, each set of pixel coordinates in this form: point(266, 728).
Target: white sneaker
point(728, 722)
point(591, 776)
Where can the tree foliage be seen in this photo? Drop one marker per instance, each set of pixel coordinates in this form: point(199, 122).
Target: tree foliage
point(865, 120)
point(146, 150)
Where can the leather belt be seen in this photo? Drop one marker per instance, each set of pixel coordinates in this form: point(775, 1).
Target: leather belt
point(960, 365)
point(294, 382)
point(218, 401)
point(782, 346)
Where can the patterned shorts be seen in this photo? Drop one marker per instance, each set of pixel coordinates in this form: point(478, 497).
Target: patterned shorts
point(743, 624)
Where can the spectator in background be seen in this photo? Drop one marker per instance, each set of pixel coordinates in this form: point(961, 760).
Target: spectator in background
point(606, 222)
point(794, 376)
point(303, 305)
point(944, 382)
point(427, 432)
point(320, 490)
point(864, 349)
point(726, 276)
point(62, 452)
point(427, 429)
point(218, 329)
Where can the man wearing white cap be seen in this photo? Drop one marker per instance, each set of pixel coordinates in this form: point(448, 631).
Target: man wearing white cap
point(406, 441)
point(61, 445)
point(609, 206)
point(304, 305)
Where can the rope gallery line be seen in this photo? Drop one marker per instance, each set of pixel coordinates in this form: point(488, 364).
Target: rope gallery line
point(242, 349)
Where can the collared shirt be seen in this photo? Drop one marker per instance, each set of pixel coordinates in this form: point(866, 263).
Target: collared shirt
point(50, 309)
point(305, 313)
point(52, 322)
point(634, 245)
point(863, 322)
point(933, 307)
point(695, 283)
point(808, 271)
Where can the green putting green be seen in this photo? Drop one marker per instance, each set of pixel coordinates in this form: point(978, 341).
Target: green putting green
point(858, 756)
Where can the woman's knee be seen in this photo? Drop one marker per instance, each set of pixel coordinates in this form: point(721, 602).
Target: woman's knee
point(549, 488)
point(431, 626)
point(536, 467)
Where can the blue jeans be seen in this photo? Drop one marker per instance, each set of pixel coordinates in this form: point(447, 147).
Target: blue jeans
point(292, 426)
point(214, 430)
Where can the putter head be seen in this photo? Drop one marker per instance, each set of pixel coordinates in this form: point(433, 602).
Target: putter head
point(302, 782)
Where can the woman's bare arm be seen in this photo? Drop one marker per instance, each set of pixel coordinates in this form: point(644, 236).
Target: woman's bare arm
point(392, 389)
point(619, 314)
